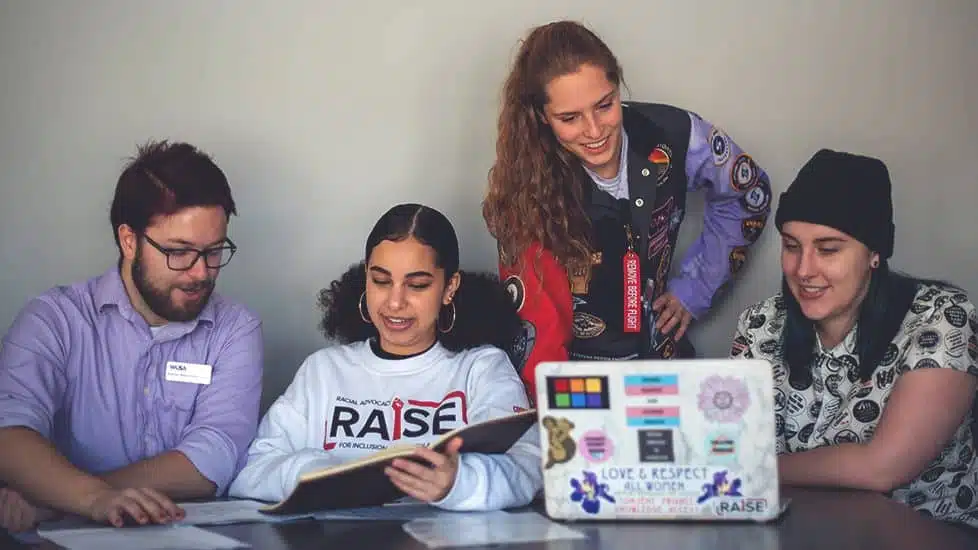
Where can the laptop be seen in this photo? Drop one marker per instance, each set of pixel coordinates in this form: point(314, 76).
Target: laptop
point(658, 440)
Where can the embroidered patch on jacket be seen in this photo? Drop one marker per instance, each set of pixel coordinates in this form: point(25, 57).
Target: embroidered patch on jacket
point(756, 199)
point(661, 157)
point(743, 175)
point(514, 286)
point(720, 145)
point(753, 227)
point(587, 325)
point(738, 256)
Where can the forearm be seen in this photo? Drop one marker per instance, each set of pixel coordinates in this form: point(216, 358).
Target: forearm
point(170, 473)
point(849, 466)
point(42, 475)
point(494, 482)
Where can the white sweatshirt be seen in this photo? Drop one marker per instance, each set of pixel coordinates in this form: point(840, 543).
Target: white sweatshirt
point(346, 403)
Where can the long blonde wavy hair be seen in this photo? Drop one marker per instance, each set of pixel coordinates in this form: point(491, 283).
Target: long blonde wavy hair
point(536, 186)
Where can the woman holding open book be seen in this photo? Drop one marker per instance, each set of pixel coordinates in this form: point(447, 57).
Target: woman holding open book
point(421, 357)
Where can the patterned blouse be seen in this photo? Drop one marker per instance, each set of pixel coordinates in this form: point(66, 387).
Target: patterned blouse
point(939, 331)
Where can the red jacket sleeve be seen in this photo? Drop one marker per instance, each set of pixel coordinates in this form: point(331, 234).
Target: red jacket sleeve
point(541, 291)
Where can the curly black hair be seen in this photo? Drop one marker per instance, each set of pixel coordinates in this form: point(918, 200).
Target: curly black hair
point(484, 314)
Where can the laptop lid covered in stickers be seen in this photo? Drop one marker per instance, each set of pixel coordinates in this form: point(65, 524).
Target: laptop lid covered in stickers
point(658, 439)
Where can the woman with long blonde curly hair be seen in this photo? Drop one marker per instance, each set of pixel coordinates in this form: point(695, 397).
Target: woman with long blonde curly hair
point(586, 198)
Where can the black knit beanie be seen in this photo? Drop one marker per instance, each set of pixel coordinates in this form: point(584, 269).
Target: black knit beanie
point(844, 191)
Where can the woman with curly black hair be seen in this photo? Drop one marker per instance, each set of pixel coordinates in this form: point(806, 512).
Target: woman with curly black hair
point(419, 355)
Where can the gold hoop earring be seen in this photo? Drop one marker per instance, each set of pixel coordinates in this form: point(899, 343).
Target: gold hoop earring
point(450, 326)
point(361, 305)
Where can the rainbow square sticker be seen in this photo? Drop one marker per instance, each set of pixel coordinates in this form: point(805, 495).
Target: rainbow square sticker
point(577, 392)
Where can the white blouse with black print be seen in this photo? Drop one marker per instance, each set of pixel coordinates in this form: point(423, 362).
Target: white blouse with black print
point(939, 331)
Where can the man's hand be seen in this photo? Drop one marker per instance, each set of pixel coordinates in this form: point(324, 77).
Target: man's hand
point(17, 515)
point(144, 506)
point(671, 314)
point(427, 484)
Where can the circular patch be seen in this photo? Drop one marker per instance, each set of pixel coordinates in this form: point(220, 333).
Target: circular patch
point(769, 346)
point(595, 446)
point(928, 340)
point(517, 292)
point(779, 425)
point(757, 199)
point(832, 382)
point(661, 157)
point(927, 363)
point(959, 298)
point(738, 256)
point(955, 343)
point(780, 401)
point(956, 316)
point(523, 345)
point(757, 321)
point(868, 432)
point(919, 307)
point(720, 144)
point(929, 294)
point(890, 356)
point(916, 498)
point(814, 409)
point(790, 429)
point(587, 325)
point(796, 403)
point(932, 475)
point(805, 433)
point(865, 390)
point(846, 436)
point(743, 175)
point(866, 411)
point(751, 228)
point(965, 497)
point(973, 347)
point(739, 346)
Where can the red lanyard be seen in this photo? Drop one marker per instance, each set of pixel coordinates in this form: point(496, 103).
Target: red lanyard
point(632, 274)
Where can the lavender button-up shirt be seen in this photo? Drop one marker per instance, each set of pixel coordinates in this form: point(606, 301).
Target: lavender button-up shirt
point(81, 367)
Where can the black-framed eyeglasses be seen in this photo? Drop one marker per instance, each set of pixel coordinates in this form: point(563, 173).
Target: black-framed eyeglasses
point(182, 259)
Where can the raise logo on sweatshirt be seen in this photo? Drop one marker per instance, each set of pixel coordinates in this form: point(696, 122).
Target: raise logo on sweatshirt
point(375, 424)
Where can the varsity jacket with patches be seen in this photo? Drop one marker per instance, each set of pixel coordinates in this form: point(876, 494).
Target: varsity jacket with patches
point(671, 152)
point(346, 403)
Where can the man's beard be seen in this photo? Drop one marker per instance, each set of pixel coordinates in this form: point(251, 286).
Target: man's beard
point(158, 300)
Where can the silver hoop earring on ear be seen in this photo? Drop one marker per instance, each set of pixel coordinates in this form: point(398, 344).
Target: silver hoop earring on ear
point(361, 306)
point(452, 324)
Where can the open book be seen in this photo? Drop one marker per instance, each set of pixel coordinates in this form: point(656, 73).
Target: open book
point(364, 483)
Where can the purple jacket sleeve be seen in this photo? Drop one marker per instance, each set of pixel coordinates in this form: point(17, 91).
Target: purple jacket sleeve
point(738, 203)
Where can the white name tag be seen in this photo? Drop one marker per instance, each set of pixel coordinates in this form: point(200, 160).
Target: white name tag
point(191, 373)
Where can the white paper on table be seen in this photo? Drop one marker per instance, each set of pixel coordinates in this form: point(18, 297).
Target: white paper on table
point(487, 528)
point(406, 511)
point(223, 512)
point(151, 537)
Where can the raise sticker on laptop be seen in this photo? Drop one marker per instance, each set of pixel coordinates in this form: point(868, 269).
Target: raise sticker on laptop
point(560, 442)
point(723, 399)
point(726, 496)
point(596, 446)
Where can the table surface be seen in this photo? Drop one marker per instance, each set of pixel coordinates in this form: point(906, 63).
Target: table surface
point(839, 520)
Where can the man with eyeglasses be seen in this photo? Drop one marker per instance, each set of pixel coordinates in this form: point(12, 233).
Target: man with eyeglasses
point(140, 387)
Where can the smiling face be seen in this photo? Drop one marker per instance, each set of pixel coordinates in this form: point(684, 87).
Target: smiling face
point(161, 294)
point(584, 111)
point(405, 294)
point(828, 273)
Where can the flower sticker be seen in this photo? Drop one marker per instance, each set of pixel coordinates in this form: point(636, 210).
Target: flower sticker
point(723, 398)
